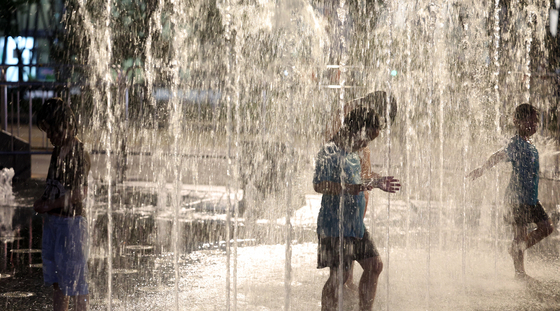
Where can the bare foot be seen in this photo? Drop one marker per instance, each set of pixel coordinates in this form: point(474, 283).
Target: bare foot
point(517, 256)
point(521, 275)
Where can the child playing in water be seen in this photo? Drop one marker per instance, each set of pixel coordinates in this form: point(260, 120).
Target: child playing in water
point(337, 177)
point(64, 228)
point(376, 101)
point(522, 191)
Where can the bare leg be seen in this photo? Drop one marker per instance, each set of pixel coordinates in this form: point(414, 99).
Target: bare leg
point(522, 241)
point(81, 302)
point(329, 297)
point(60, 301)
point(350, 281)
point(516, 249)
point(368, 282)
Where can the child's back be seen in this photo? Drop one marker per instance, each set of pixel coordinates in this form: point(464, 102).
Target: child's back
point(523, 186)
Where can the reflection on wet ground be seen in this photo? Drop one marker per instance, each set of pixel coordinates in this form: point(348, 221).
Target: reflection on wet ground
point(260, 283)
point(143, 271)
point(487, 284)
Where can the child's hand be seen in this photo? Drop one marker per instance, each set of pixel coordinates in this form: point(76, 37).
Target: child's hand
point(388, 184)
point(475, 173)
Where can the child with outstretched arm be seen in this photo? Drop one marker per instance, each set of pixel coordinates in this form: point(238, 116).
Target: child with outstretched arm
point(523, 188)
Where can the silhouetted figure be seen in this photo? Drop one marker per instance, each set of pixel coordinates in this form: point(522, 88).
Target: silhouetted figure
point(65, 233)
point(337, 177)
point(523, 189)
point(376, 101)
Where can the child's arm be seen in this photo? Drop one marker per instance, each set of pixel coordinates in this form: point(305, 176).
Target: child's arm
point(43, 206)
point(334, 188)
point(500, 156)
point(385, 183)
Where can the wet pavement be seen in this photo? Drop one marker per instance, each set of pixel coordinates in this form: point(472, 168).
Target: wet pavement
point(260, 284)
point(467, 272)
point(406, 284)
point(475, 275)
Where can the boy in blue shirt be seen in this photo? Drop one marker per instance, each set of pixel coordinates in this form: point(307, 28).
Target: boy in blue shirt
point(337, 177)
point(523, 188)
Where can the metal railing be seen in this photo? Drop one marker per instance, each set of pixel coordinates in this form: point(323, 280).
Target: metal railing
point(14, 96)
point(12, 118)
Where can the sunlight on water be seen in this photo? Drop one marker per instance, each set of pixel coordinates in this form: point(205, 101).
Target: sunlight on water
point(6, 193)
point(203, 119)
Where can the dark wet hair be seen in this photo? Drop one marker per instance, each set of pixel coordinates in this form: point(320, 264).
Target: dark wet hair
point(55, 113)
point(378, 101)
point(524, 111)
point(361, 118)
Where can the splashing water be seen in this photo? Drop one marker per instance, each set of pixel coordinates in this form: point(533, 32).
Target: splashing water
point(6, 194)
point(203, 119)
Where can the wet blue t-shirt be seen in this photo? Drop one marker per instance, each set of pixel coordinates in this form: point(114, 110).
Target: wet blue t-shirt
point(330, 161)
point(523, 185)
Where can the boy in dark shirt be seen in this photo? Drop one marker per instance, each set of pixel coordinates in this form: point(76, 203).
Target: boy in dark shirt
point(523, 188)
point(337, 177)
point(65, 233)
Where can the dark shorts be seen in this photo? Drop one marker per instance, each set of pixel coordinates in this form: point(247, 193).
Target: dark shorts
point(522, 214)
point(65, 253)
point(354, 249)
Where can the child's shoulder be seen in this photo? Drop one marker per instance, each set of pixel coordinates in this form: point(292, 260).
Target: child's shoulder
point(516, 141)
point(515, 138)
point(518, 144)
point(329, 150)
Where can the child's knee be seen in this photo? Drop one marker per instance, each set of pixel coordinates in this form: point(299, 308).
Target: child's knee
point(549, 227)
point(378, 265)
point(374, 266)
point(546, 227)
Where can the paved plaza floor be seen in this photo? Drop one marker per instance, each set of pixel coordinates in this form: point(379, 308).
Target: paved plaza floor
point(409, 282)
point(414, 278)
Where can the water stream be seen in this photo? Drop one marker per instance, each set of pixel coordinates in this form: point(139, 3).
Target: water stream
point(203, 119)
